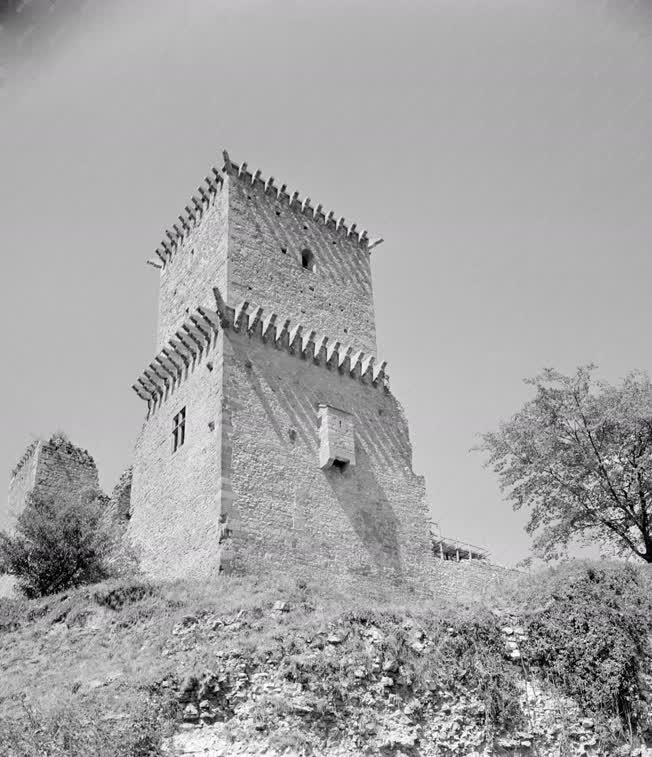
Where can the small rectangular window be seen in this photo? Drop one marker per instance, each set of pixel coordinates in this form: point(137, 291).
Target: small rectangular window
point(179, 429)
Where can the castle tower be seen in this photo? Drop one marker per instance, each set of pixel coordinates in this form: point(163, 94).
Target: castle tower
point(271, 438)
point(48, 468)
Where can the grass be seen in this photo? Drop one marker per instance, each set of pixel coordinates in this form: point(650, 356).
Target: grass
point(110, 649)
point(102, 670)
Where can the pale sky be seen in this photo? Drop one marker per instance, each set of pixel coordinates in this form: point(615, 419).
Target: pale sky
point(502, 148)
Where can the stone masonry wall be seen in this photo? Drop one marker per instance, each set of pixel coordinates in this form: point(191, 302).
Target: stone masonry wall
point(175, 496)
point(196, 267)
point(21, 483)
point(49, 468)
point(266, 238)
point(360, 524)
point(246, 491)
point(64, 468)
point(118, 510)
point(468, 579)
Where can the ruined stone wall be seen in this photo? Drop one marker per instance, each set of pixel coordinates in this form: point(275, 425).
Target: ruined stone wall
point(48, 468)
point(118, 510)
point(64, 468)
point(196, 267)
point(23, 478)
point(367, 522)
point(175, 496)
point(466, 579)
point(266, 238)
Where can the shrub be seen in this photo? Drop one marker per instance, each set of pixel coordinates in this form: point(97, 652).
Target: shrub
point(588, 633)
point(472, 652)
point(12, 613)
point(84, 729)
point(464, 656)
point(59, 543)
point(119, 594)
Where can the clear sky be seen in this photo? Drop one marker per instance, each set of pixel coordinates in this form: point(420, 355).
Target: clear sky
point(502, 148)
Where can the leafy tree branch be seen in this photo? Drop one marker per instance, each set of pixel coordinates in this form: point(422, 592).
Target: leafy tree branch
point(579, 456)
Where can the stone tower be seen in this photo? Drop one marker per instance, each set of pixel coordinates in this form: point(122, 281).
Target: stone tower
point(48, 468)
point(271, 438)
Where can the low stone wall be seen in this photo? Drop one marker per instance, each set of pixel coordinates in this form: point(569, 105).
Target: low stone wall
point(467, 579)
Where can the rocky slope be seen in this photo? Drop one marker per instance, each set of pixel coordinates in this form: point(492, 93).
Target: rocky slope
point(362, 688)
point(247, 667)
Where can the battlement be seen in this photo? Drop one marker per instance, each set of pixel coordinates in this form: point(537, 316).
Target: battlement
point(25, 457)
point(198, 332)
point(203, 198)
point(189, 218)
point(294, 201)
point(55, 443)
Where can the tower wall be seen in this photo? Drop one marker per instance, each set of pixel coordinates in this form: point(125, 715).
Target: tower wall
point(343, 526)
point(199, 264)
point(64, 468)
point(267, 234)
point(49, 469)
point(248, 243)
point(23, 479)
point(176, 496)
point(118, 509)
point(256, 485)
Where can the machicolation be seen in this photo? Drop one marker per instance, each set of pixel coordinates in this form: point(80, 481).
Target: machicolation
point(271, 436)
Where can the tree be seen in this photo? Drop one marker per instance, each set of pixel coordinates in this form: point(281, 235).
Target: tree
point(579, 455)
point(59, 543)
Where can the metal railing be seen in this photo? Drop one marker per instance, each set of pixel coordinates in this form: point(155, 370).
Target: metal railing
point(447, 548)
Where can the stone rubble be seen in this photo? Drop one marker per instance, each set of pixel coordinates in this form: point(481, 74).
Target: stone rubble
point(245, 706)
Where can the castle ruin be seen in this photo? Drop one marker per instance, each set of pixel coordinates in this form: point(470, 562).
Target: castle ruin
point(48, 468)
point(271, 438)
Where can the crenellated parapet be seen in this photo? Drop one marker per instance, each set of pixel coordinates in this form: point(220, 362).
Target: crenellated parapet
point(57, 443)
point(202, 199)
point(293, 201)
point(197, 334)
point(27, 454)
point(189, 218)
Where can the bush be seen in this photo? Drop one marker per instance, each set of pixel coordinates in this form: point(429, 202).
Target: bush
point(464, 656)
point(59, 543)
point(588, 630)
point(120, 594)
point(12, 613)
point(473, 651)
point(84, 729)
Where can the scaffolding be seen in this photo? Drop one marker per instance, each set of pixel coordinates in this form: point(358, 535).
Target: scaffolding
point(447, 548)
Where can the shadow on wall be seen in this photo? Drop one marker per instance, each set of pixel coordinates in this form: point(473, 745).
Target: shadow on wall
point(369, 523)
point(363, 501)
point(300, 406)
point(262, 215)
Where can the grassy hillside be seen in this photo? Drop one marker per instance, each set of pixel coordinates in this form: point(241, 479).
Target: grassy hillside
point(557, 661)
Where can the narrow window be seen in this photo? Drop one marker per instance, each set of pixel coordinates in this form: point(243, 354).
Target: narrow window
point(308, 260)
point(179, 429)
